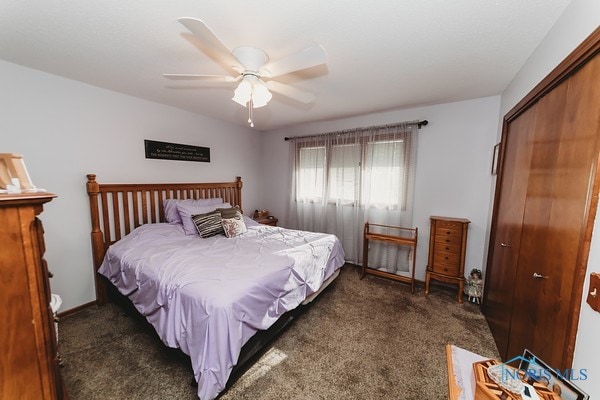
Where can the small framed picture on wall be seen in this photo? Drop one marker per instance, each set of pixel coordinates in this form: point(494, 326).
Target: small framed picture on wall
point(495, 156)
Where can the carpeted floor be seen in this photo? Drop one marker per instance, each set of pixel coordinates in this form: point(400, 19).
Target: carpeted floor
point(361, 339)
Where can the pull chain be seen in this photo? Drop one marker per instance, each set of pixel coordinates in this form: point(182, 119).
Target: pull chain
point(250, 109)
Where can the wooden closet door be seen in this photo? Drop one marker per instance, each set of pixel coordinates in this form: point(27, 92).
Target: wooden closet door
point(506, 237)
point(556, 207)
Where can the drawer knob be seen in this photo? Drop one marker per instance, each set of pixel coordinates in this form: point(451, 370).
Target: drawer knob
point(447, 248)
point(505, 245)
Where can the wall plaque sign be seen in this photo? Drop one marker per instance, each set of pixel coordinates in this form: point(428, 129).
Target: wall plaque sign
point(176, 151)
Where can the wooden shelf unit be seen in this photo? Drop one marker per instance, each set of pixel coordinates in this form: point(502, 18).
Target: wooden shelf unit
point(409, 240)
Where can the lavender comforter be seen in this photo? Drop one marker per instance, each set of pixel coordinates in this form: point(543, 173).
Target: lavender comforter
point(209, 296)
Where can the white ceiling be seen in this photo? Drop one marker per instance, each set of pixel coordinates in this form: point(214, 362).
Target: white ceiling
point(383, 54)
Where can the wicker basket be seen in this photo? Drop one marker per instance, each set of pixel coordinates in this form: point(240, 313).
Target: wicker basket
point(260, 214)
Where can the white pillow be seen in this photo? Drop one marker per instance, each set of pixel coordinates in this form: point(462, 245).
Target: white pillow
point(186, 210)
point(170, 207)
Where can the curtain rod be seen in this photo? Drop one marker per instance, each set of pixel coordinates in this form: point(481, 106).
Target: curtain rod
point(419, 125)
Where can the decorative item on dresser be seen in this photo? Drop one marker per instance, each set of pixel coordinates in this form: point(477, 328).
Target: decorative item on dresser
point(27, 335)
point(394, 235)
point(447, 249)
point(263, 217)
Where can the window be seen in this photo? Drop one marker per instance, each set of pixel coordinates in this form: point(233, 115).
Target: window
point(384, 174)
point(344, 174)
point(368, 172)
point(343, 179)
point(310, 173)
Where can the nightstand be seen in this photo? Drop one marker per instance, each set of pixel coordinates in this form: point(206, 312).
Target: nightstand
point(272, 221)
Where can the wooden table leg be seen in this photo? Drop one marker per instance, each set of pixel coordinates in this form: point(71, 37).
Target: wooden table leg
point(365, 257)
point(427, 276)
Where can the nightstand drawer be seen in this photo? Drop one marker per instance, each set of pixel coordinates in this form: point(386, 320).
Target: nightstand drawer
point(272, 221)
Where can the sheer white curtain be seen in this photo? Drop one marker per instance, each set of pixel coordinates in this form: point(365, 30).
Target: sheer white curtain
point(343, 179)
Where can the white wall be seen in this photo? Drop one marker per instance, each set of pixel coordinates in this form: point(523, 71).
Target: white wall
point(576, 23)
point(453, 167)
point(66, 129)
point(579, 20)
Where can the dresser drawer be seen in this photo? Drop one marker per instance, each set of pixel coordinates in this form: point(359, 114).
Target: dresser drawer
point(446, 232)
point(449, 224)
point(446, 269)
point(451, 244)
point(446, 257)
point(447, 240)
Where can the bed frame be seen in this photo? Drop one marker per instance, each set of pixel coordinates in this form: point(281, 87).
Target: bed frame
point(118, 208)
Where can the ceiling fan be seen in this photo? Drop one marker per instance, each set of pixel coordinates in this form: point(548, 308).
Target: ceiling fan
point(253, 69)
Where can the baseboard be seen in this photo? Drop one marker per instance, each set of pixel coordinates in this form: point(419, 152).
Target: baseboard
point(75, 310)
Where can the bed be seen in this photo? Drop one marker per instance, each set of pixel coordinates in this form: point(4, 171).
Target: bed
point(217, 299)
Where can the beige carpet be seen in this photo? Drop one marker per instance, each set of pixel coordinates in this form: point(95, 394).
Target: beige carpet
point(368, 339)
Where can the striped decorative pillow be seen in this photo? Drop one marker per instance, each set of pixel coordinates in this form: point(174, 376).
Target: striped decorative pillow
point(208, 224)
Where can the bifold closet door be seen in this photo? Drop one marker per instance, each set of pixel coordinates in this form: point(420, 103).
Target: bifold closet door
point(563, 164)
point(507, 235)
point(541, 211)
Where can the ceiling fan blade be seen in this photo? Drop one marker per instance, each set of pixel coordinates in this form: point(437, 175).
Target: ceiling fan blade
point(307, 58)
point(213, 78)
point(291, 92)
point(211, 43)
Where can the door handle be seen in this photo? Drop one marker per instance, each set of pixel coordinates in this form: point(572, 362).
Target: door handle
point(505, 245)
point(539, 276)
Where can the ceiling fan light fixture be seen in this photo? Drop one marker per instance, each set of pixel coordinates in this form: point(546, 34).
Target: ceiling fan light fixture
point(243, 93)
point(260, 95)
point(251, 88)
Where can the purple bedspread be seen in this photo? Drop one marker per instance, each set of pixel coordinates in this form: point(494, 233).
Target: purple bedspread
point(209, 296)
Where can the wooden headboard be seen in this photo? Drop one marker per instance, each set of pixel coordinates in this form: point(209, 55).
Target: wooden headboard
point(118, 208)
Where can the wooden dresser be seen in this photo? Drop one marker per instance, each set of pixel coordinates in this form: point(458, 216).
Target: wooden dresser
point(29, 368)
point(447, 250)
